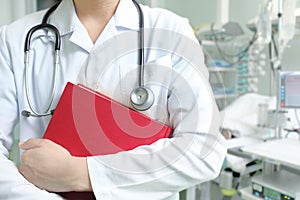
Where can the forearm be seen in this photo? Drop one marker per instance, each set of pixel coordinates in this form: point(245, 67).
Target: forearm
point(81, 180)
point(49, 166)
point(153, 171)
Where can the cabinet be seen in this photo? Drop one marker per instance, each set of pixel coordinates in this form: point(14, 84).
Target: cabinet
point(283, 177)
point(223, 74)
point(227, 61)
point(224, 84)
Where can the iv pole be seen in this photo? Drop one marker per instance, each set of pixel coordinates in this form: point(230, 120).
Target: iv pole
point(285, 33)
point(222, 13)
point(277, 70)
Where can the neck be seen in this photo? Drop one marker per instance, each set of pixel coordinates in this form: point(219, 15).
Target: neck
point(95, 14)
point(94, 8)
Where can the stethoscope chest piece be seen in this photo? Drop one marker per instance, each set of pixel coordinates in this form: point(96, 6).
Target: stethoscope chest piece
point(141, 98)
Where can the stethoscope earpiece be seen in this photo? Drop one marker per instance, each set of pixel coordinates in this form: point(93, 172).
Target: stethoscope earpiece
point(26, 113)
point(141, 98)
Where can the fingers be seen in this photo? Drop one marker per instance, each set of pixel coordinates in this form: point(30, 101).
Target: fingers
point(31, 143)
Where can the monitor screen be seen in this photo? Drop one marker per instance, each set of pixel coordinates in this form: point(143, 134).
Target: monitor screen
point(290, 89)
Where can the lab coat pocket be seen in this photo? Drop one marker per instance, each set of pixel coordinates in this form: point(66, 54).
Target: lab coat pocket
point(157, 76)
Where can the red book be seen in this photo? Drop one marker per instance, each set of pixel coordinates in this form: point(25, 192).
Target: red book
point(88, 123)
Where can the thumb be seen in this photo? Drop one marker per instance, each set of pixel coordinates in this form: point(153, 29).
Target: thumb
point(30, 144)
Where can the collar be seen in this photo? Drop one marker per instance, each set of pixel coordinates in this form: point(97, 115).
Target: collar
point(66, 20)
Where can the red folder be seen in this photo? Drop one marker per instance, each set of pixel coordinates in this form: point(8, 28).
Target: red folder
point(88, 123)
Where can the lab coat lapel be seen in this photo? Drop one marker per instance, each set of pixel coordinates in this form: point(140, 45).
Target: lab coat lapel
point(66, 20)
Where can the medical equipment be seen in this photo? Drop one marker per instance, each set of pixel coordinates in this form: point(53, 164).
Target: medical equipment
point(43, 25)
point(263, 24)
point(141, 98)
point(281, 185)
point(289, 90)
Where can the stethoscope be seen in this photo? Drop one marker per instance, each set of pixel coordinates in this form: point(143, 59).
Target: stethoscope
point(141, 98)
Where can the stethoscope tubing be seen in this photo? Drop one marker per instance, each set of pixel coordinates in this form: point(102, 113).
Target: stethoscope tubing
point(141, 44)
point(46, 112)
point(141, 94)
point(44, 25)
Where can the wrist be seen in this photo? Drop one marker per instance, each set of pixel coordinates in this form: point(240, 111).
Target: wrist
point(81, 180)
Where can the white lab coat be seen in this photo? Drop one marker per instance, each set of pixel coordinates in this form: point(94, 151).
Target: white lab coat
point(158, 171)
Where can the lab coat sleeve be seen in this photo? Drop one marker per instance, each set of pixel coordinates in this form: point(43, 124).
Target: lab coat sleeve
point(12, 184)
point(193, 155)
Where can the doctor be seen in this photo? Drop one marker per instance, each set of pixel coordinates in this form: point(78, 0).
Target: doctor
point(147, 172)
